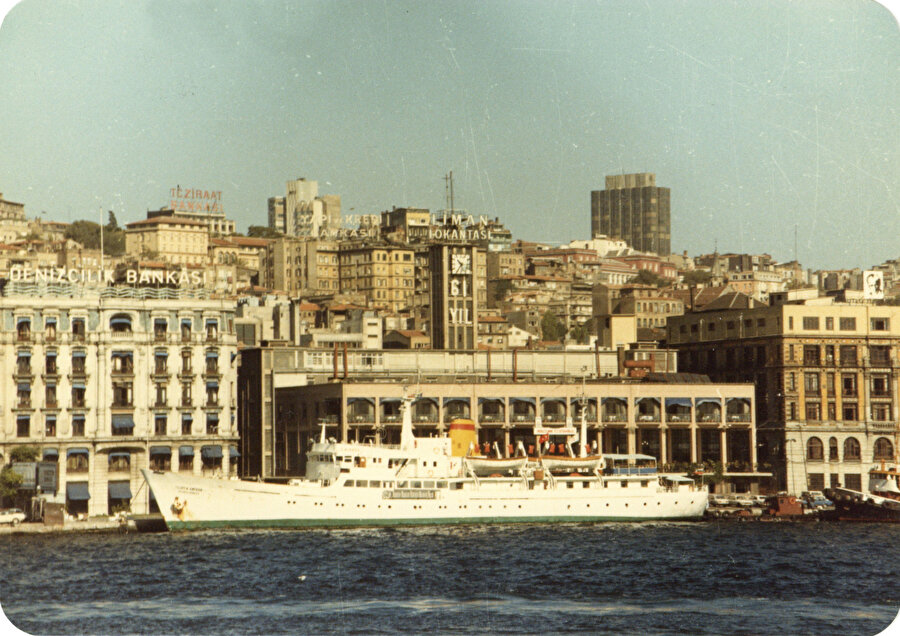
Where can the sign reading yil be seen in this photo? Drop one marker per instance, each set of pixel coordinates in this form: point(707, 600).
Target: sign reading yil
point(195, 199)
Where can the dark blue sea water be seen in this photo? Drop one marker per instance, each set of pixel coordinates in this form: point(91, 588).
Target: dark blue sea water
point(663, 578)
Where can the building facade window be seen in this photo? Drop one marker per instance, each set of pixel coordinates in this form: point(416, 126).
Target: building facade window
point(816, 481)
point(851, 449)
point(811, 383)
point(813, 411)
point(832, 449)
point(847, 324)
point(880, 324)
point(811, 323)
point(849, 412)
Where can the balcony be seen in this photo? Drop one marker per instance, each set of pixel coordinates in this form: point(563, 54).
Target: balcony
point(23, 370)
point(211, 370)
point(186, 402)
point(23, 403)
point(121, 404)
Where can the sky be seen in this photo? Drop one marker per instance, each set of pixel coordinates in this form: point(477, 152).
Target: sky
point(768, 120)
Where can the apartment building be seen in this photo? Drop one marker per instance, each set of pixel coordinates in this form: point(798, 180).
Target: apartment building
point(826, 376)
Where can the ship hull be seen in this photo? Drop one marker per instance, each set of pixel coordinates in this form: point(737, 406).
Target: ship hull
point(189, 502)
point(852, 505)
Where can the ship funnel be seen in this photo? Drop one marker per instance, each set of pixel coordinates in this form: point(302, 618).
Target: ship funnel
point(462, 437)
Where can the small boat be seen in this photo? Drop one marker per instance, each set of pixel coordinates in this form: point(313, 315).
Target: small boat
point(881, 503)
point(564, 463)
point(481, 465)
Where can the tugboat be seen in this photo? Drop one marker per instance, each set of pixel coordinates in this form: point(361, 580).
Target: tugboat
point(881, 503)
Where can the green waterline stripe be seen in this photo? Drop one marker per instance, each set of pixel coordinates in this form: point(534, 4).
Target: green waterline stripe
point(357, 523)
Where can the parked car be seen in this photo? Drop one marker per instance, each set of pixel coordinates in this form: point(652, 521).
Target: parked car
point(718, 500)
point(815, 499)
point(12, 515)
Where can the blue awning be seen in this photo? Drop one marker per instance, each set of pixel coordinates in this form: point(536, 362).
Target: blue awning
point(521, 399)
point(211, 452)
point(122, 354)
point(79, 354)
point(212, 384)
point(121, 422)
point(24, 354)
point(678, 402)
point(449, 400)
point(115, 454)
point(51, 419)
point(23, 419)
point(186, 322)
point(212, 322)
point(234, 452)
point(51, 454)
point(482, 400)
point(160, 321)
point(24, 386)
point(708, 401)
point(22, 319)
point(161, 354)
point(186, 451)
point(546, 400)
point(388, 400)
point(77, 491)
point(51, 321)
point(78, 385)
point(211, 355)
point(354, 400)
point(78, 418)
point(160, 450)
point(212, 417)
point(117, 321)
point(51, 354)
point(119, 490)
point(187, 417)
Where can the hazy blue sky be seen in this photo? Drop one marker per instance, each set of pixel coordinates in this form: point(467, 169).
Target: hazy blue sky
point(758, 115)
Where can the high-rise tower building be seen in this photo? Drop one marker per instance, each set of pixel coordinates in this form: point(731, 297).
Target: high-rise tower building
point(634, 209)
point(303, 213)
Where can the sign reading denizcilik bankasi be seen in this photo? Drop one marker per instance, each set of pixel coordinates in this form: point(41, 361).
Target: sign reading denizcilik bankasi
point(96, 275)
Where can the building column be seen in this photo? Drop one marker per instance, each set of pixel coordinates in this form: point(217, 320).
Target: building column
point(663, 445)
point(723, 447)
point(695, 439)
point(632, 441)
point(753, 447)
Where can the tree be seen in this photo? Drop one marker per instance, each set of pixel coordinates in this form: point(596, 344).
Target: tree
point(646, 277)
point(502, 287)
point(696, 277)
point(551, 328)
point(262, 231)
point(9, 483)
point(24, 454)
point(579, 333)
point(88, 234)
point(85, 232)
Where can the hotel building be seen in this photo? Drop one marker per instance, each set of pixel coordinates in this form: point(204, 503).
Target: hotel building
point(106, 381)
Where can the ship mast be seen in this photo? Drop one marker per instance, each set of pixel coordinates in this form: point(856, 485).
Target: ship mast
point(407, 439)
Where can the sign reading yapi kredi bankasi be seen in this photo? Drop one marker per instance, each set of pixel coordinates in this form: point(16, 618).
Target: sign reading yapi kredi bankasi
point(195, 199)
point(95, 275)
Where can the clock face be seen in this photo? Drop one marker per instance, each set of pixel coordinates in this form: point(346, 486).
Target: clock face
point(460, 264)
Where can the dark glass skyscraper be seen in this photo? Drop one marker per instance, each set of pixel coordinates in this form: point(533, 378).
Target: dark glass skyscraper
point(634, 209)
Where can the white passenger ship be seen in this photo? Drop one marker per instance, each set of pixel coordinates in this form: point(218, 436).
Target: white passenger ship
point(431, 480)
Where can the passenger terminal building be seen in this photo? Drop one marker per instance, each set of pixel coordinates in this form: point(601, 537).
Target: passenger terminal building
point(107, 379)
point(288, 394)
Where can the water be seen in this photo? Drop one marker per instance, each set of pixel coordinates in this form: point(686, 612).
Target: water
point(696, 578)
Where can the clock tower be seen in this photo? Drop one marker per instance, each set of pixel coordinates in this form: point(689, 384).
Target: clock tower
point(454, 300)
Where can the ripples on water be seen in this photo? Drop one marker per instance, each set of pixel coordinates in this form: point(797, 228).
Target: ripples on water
point(752, 578)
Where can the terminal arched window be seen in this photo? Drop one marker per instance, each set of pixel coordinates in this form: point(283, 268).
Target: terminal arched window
point(883, 448)
point(851, 448)
point(814, 448)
